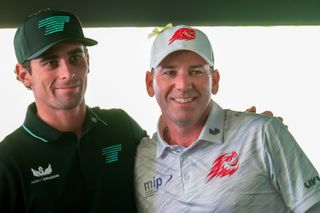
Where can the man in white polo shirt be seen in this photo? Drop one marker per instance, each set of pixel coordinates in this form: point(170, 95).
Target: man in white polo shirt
point(207, 159)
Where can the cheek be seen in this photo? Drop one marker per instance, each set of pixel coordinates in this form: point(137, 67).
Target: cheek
point(85, 83)
point(42, 85)
point(205, 86)
point(159, 88)
point(209, 87)
point(159, 94)
point(208, 83)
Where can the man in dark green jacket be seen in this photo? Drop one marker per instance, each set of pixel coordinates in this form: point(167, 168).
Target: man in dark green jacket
point(66, 157)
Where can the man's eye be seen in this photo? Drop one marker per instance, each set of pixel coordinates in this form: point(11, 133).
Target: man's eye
point(196, 72)
point(74, 59)
point(169, 72)
point(51, 63)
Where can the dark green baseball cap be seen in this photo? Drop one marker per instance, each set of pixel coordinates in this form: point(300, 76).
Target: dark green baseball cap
point(44, 29)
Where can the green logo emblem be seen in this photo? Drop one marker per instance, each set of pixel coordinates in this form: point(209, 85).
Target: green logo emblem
point(53, 24)
point(111, 153)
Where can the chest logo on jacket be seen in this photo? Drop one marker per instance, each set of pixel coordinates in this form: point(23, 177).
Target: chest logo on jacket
point(111, 153)
point(43, 174)
point(225, 165)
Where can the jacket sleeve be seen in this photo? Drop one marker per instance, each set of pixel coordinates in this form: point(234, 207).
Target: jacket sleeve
point(11, 200)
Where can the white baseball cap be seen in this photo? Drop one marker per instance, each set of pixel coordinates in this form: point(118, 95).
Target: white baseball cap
point(180, 37)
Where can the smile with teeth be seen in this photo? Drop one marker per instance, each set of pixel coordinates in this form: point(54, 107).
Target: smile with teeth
point(183, 100)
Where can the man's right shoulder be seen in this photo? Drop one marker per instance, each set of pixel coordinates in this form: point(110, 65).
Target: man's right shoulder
point(147, 142)
point(10, 143)
point(147, 147)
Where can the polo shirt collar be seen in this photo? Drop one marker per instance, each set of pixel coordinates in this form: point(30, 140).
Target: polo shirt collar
point(42, 131)
point(212, 131)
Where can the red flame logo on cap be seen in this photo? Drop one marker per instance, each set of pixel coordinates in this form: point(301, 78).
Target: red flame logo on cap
point(225, 164)
point(183, 34)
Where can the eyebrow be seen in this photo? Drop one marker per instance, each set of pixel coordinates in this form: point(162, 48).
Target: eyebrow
point(75, 51)
point(198, 66)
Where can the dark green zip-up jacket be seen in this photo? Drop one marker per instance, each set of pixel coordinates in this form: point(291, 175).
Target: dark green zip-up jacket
point(45, 170)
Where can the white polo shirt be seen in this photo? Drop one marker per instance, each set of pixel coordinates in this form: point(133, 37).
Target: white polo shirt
point(242, 162)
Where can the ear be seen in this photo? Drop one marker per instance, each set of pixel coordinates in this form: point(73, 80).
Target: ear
point(215, 81)
point(149, 83)
point(23, 75)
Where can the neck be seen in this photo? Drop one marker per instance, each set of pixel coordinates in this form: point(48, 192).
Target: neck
point(65, 120)
point(180, 134)
point(181, 137)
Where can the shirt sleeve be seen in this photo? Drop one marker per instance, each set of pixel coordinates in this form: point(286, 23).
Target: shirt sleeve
point(291, 171)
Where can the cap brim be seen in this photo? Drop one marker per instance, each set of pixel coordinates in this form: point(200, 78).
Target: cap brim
point(84, 41)
point(167, 53)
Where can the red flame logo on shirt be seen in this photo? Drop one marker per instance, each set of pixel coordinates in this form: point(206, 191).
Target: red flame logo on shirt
point(225, 164)
point(183, 34)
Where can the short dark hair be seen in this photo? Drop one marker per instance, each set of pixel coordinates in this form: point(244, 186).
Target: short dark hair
point(26, 64)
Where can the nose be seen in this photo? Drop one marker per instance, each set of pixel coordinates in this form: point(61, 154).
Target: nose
point(183, 81)
point(66, 70)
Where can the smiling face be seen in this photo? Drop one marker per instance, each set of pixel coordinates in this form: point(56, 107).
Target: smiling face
point(183, 84)
point(58, 78)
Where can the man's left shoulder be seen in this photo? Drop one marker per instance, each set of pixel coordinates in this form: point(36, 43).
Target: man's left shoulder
point(120, 120)
point(115, 116)
point(108, 112)
point(250, 118)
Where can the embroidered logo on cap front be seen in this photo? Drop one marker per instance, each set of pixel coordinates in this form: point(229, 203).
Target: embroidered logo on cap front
point(53, 24)
point(112, 153)
point(225, 164)
point(183, 34)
